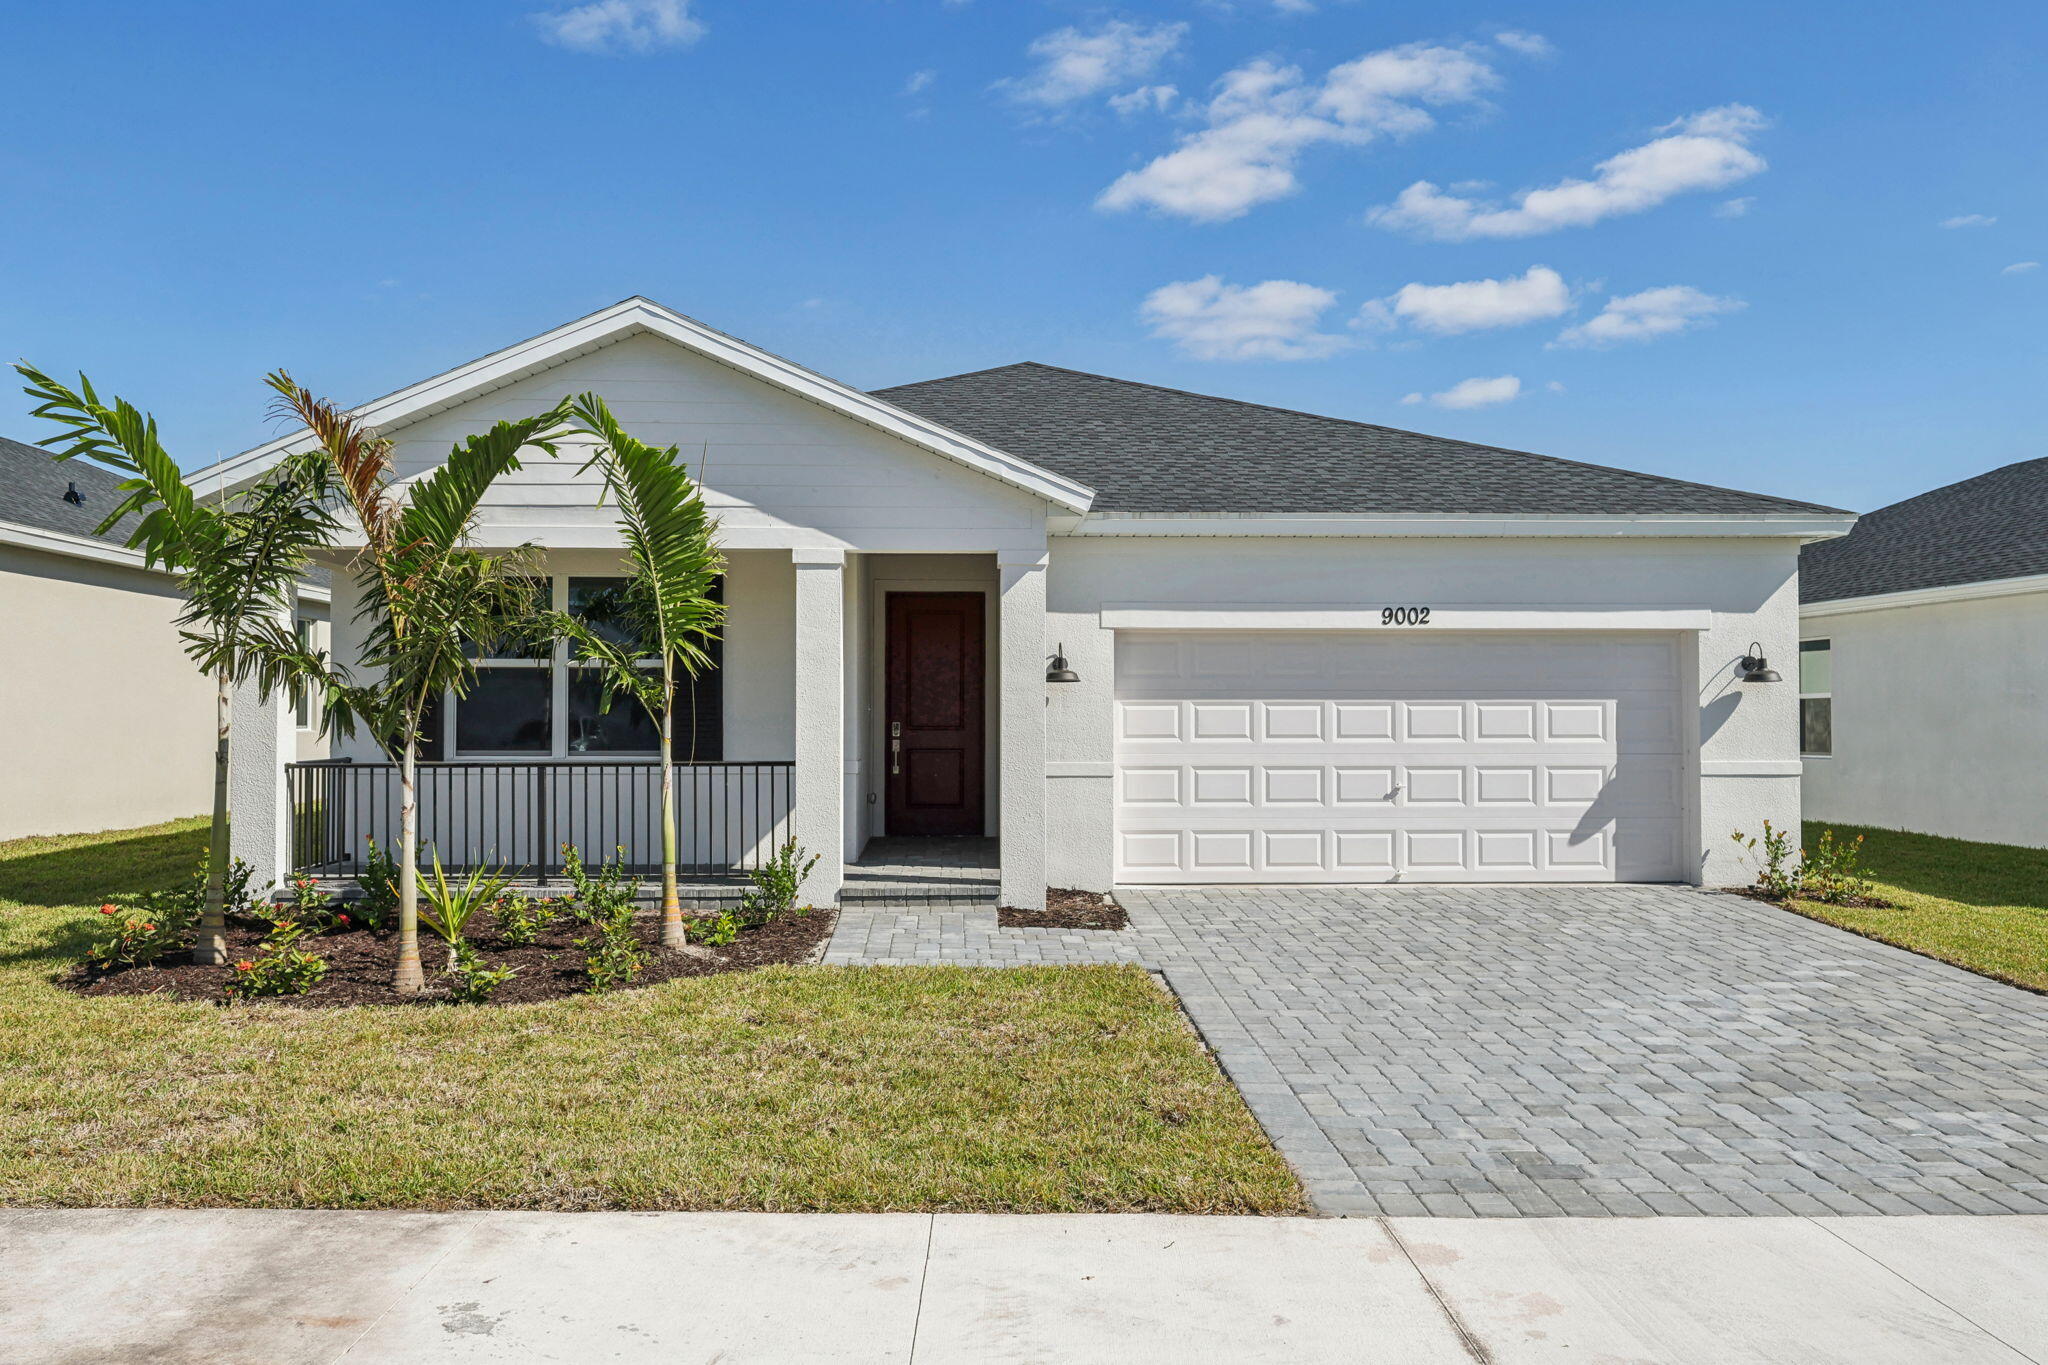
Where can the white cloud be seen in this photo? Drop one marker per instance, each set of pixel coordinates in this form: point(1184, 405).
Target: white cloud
point(1963, 220)
point(1702, 151)
point(1554, 386)
point(611, 27)
point(920, 81)
point(1294, 6)
point(1073, 65)
point(1264, 115)
point(1526, 44)
point(1146, 99)
point(1211, 320)
point(1473, 305)
point(1734, 208)
point(2020, 267)
point(1646, 316)
point(1473, 393)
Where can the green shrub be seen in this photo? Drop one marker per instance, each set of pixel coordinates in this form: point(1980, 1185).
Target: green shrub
point(1773, 879)
point(714, 931)
point(521, 917)
point(776, 883)
point(281, 966)
point(378, 906)
point(470, 982)
point(599, 895)
point(1832, 871)
point(612, 953)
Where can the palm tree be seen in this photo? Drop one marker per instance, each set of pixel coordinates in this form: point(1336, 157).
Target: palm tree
point(429, 596)
point(238, 559)
point(668, 609)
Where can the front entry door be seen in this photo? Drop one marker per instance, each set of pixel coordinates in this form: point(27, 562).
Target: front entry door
point(933, 735)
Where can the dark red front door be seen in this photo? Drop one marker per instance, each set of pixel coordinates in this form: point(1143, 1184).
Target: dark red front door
point(934, 724)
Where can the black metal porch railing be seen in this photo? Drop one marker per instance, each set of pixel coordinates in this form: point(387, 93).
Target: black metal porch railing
point(730, 817)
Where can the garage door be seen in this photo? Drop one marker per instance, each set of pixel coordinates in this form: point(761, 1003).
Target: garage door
point(1383, 757)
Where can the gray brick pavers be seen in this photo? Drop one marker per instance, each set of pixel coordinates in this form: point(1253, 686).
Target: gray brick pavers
point(1497, 1051)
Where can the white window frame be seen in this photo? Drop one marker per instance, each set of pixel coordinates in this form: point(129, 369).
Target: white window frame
point(1799, 680)
point(305, 703)
point(559, 665)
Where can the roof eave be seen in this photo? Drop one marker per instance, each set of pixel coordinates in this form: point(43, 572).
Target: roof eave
point(1928, 597)
point(1802, 526)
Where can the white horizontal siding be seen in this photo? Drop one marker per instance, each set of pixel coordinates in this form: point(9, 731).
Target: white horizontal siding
point(777, 469)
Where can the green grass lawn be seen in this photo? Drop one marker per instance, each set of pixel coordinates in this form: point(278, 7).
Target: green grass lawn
point(793, 1088)
point(1980, 906)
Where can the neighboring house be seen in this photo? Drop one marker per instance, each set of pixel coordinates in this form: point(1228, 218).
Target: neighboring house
point(1300, 649)
point(104, 722)
point(1924, 663)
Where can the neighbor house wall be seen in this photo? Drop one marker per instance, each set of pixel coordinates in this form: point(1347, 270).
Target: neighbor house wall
point(104, 721)
point(1746, 767)
point(1940, 719)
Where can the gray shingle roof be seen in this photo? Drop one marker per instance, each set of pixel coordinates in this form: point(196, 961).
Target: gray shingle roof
point(32, 484)
point(1990, 527)
point(1149, 449)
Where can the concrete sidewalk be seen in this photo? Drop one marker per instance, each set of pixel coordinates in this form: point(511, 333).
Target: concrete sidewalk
point(277, 1287)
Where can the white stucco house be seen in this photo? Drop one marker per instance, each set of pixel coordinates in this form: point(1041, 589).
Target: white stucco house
point(104, 722)
point(1293, 648)
point(1923, 651)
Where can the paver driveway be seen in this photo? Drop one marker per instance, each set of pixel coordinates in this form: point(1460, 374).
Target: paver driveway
point(1576, 1050)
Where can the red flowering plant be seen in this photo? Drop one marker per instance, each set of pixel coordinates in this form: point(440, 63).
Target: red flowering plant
point(136, 936)
point(281, 967)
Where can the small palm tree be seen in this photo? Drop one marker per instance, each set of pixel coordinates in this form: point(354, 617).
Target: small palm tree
point(238, 558)
point(668, 612)
point(429, 596)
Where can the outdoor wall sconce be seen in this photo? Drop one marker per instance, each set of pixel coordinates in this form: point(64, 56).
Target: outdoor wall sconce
point(1756, 668)
point(1059, 672)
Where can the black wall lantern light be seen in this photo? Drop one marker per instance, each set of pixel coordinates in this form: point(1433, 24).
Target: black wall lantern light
point(1059, 672)
point(1756, 668)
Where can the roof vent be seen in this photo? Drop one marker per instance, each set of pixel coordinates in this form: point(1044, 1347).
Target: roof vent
point(72, 495)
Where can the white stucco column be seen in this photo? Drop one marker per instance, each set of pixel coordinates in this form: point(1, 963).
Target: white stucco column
point(262, 739)
point(820, 717)
point(1020, 749)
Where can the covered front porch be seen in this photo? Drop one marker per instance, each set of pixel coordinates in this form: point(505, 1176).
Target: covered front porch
point(884, 710)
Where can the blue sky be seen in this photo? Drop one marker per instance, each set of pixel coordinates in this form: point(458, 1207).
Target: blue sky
point(1733, 266)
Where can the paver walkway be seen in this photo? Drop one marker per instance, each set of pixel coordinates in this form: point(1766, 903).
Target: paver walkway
point(1575, 1050)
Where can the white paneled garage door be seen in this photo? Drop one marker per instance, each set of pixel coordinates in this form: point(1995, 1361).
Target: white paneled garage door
point(1397, 756)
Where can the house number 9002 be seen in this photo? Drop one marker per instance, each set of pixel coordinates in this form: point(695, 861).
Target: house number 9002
point(1404, 616)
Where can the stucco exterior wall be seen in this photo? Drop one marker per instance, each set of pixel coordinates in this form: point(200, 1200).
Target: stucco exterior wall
point(1940, 719)
point(1745, 766)
point(104, 722)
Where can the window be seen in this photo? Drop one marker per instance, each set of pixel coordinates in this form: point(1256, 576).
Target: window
point(1816, 698)
point(548, 703)
point(305, 708)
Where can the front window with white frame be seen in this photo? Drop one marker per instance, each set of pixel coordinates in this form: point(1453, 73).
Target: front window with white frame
point(311, 635)
point(548, 703)
point(1816, 698)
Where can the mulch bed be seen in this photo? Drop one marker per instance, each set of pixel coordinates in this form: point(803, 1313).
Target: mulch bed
point(360, 964)
point(1067, 910)
point(1859, 902)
